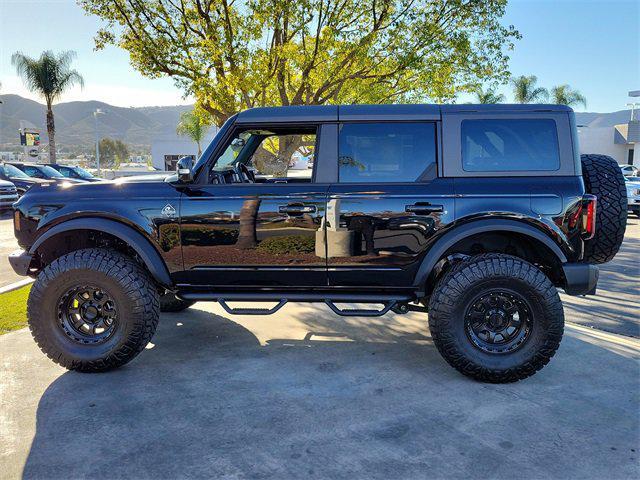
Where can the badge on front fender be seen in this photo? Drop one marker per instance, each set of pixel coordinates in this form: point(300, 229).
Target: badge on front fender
point(168, 211)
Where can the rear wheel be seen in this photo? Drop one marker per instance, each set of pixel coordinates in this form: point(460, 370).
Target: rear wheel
point(93, 310)
point(496, 318)
point(603, 178)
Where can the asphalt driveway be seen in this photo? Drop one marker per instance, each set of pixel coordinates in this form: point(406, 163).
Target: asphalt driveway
point(306, 394)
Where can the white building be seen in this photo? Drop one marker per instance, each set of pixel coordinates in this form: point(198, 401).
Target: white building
point(8, 157)
point(168, 149)
point(620, 142)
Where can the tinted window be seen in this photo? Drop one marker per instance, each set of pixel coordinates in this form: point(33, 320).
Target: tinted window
point(509, 145)
point(289, 156)
point(33, 172)
point(386, 152)
point(11, 171)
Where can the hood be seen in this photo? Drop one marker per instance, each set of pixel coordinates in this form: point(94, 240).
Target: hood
point(66, 180)
point(155, 177)
point(4, 183)
point(31, 180)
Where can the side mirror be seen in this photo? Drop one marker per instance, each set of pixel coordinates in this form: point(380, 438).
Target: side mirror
point(185, 170)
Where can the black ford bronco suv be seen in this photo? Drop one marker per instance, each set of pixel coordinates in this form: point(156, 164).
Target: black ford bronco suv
point(474, 214)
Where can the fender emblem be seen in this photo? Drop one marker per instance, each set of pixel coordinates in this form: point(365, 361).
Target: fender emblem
point(168, 211)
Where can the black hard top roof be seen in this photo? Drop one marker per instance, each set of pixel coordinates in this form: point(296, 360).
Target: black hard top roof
point(334, 113)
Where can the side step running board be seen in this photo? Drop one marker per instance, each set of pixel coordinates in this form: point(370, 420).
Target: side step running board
point(358, 312)
point(251, 311)
point(396, 303)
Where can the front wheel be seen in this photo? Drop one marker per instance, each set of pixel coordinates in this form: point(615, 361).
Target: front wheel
point(93, 310)
point(170, 303)
point(496, 318)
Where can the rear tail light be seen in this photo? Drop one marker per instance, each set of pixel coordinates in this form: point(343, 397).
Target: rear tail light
point(589, 204)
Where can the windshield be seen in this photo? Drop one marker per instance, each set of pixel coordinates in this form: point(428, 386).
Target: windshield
point(212, 146)
point(11, 171)
point(50, 172)
point(82, 173)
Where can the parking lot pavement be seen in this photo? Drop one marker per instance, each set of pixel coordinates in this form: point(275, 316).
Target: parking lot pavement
point(616, 307)
point(7, 245)
point(307, 394)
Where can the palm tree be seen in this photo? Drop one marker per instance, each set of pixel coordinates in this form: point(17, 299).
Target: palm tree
point(564, 95)
point(48, 76)
point(525, 90)
point(488, 96)
point(192, 126)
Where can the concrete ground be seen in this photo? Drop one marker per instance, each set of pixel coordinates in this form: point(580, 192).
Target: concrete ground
point(616, 307)
point(307, 394)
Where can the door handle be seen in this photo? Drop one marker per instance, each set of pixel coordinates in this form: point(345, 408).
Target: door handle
point(424, 208)
point(297, 209)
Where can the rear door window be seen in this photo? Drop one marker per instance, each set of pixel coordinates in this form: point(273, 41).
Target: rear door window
point(386, 152)
point(493, 145)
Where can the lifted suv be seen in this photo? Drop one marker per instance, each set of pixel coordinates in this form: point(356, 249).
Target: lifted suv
point(475, 214)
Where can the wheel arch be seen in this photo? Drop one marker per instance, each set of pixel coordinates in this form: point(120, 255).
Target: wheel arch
point(142, 247)
point(478, 228)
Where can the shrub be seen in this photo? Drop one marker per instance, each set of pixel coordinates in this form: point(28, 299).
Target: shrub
point(287, 245)
point(209, 236)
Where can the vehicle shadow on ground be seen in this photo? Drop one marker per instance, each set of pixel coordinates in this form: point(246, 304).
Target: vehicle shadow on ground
point(356, 399)
point(615, 306)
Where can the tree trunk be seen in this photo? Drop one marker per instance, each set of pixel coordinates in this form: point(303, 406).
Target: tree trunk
point(199, 150)
point(51, 132)
point(247, 237)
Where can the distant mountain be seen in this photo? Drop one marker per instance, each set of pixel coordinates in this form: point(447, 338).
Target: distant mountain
point(75, 125)
point(139, 126)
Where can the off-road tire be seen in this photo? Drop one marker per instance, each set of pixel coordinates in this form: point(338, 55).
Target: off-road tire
point(603, 178)
point(480, 273)
point(135, 297)
point(170, 303)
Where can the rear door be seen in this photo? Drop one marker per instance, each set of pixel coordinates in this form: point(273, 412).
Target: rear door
point(388, 204)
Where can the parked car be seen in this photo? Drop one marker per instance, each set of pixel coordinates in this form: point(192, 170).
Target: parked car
point(44, 172)
point(8, 194)
point(629, 170)
point(21, 180)
point(476, 214)
point(75, 172)
point(633, 195)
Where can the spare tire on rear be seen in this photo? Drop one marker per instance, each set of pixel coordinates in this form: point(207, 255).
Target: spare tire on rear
point(603, 178)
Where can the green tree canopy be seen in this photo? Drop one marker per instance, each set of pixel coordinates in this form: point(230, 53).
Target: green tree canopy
point(113, 153)
point(48, 76)
point(525, 90)
point(564, 95)
point(193, 126)
point(233, 55)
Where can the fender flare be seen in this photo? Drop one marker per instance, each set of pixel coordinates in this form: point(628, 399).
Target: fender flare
point(142, 246)
point(480, 226)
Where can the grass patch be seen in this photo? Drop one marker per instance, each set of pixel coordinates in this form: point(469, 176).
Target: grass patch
point(13, 309)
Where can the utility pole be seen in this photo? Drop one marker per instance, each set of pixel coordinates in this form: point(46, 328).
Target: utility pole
point(95, 117)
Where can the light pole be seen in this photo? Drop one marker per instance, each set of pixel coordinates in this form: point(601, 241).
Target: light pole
point(95, 117)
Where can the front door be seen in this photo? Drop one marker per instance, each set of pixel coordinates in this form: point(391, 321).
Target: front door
point(257, 221)
point(387, 205)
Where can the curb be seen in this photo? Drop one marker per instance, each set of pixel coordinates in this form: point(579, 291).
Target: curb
point(16, 285)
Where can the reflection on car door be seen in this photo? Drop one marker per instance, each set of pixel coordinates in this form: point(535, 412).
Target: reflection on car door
point(257, 234)
point(387, 206)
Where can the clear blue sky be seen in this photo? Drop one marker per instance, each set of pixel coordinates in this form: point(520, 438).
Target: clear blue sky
point(592, 45)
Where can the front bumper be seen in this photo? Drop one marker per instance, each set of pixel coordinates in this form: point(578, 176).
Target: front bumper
point(20, 262)
point(580, 278)
point(7, 200)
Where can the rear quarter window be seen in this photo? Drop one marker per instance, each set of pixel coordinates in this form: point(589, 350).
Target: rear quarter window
point(494, 145)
